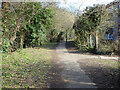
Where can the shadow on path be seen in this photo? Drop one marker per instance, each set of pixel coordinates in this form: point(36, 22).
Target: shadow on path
point(100, 73)
point(103, 75)
point(62, 77)
point(70, 45)
point(55, 80)
point(66, 72)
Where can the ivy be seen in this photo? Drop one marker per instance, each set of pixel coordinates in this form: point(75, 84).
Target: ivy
point(87, 25)
point(25, 24)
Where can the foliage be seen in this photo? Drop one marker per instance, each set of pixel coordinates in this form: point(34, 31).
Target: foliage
point(88, 25)
point(90, 29)
point(25, 24)
point(62, 21)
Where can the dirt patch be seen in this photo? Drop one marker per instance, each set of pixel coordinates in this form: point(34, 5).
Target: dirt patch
point(100, 73)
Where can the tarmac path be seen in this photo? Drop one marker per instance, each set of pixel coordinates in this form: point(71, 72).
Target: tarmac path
point(72, 73)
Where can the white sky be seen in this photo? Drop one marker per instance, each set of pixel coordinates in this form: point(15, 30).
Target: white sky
point(76, 4)
point(71, 5)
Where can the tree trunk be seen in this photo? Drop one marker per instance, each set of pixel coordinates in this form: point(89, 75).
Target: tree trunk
point(0, 29)
point(91, 41)
point(4, 9)
point(96, 45)
point(88, 40)
point(22, 39)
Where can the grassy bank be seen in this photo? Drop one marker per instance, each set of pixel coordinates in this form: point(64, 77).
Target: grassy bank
point(26, 68)
point(111, 63)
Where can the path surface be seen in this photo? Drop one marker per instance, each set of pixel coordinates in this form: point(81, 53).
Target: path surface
point(72, 73)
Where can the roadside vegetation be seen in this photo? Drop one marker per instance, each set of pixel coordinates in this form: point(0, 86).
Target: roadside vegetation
point(29, 24)
point(26, 68)
point(25, 25)
point(91, 27)
point(113, 64)
point(30, 30)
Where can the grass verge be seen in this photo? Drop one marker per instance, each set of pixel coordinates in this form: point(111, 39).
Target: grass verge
point(26, 68)
point(112, 63)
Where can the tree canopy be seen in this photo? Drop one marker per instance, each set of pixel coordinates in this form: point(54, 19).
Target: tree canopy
point(25, 24)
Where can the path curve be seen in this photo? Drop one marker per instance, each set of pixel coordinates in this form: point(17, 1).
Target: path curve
point(72, 73)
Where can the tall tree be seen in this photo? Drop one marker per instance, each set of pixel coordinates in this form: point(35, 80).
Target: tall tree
point(88, 25)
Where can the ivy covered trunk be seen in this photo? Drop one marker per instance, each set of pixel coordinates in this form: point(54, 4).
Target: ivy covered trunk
point(25, 24)
point(91, 41)
point(22, 39)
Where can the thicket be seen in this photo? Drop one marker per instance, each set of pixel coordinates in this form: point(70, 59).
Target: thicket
point(25, 25)
point(90, 30)
point(86, 27)
point(31, 24)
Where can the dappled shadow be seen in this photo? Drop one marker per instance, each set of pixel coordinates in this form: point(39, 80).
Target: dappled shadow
point(48, 46)
point(55, 80)
point(70, 45)
point(104, 77)
point(77, 79)
point(73, 49)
